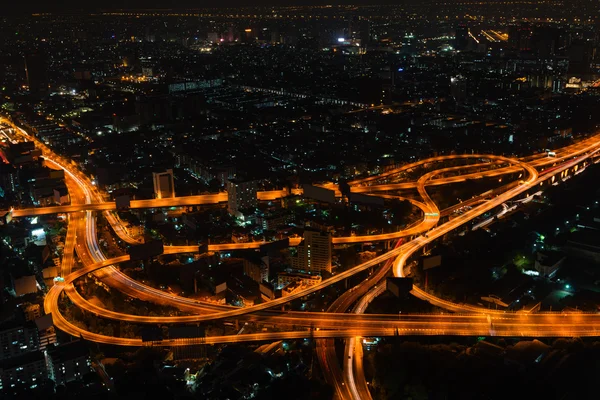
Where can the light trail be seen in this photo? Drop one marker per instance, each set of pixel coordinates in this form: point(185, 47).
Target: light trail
point(554, 325)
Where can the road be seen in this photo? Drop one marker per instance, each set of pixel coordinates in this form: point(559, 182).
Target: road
point(413, 245)
point(332, 325)
point(358, 186)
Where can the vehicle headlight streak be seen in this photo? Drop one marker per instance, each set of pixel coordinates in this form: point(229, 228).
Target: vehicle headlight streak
point(400, 255)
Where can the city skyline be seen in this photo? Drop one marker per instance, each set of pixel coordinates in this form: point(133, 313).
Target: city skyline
point(303, 202)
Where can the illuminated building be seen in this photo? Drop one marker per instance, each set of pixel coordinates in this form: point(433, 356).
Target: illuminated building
point(461, 37)
point(520, 37)
point(314, 253)
point(360, 30)
point(17, 339)
point(241, 196)
point(69, 362)
point(164, 185)
point(18, 374)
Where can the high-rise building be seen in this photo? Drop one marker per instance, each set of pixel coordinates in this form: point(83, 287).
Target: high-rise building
point(20, 374)
point(545, 41)
point(8, 179)
point(461, 37)
point(525, 35)
point(520, 37)
point(581, 56)
point(164, 184)
point(36, 72)
point(359, 30)
point(17, 339)
point(314, 253)
point(69, 362)
point(241, 195)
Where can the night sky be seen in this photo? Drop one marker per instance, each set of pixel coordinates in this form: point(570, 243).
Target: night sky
point(33, 6)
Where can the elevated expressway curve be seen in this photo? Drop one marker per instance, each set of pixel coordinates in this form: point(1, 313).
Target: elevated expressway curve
point(143, 292)
point(358, 362)
point(410, 246)
point(568, 325)
point(364, 185)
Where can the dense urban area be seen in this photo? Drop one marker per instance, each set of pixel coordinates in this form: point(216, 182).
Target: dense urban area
point(301, 202)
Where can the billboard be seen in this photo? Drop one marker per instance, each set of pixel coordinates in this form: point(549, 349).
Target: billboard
point(146, 251)
point(432, 262)
point(319, 193)
point(360, 198)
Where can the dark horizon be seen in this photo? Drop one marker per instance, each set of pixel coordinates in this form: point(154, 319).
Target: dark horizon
point(72, 6)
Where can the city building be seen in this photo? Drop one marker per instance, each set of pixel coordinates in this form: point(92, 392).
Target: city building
point(164, 184)
point(46, 331)
point(285, 278)
point(69, 362)
point(585, 244)
point(581, 56)
point(61, 195)
point(21, 373)
point(257, 268)
point(525, 34)
point(547, 263)
point(8, 179)
point(25, 285)
point(292, 288)
point(17, 339)
point(274, 220)
point(461, 37)
point(313, 253)
point(30, 311)
point(241, 197)
point(36, 72)
point(267, 292)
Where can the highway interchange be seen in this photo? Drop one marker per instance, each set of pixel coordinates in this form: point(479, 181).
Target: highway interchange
point(337, 323)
